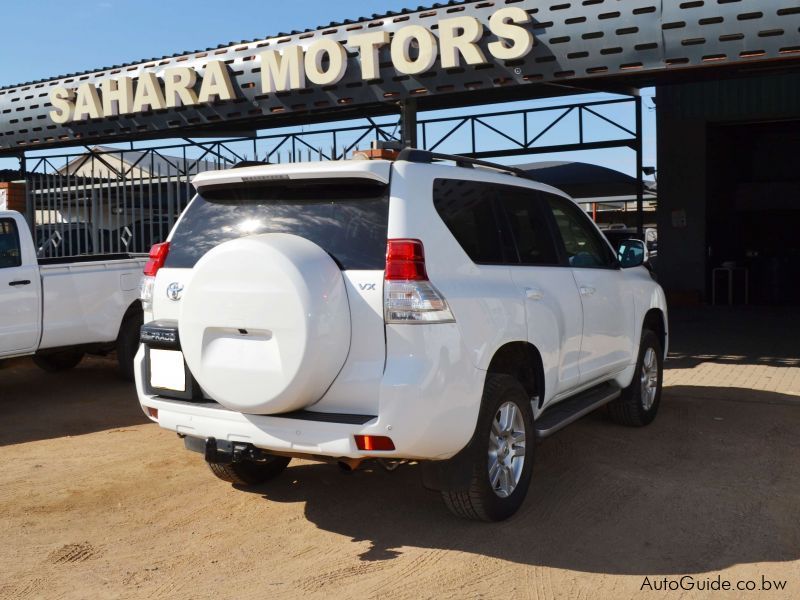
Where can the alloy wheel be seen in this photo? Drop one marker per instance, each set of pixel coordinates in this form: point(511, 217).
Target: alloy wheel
point(506, 449)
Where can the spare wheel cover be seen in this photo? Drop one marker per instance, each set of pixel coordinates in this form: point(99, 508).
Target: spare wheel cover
point(265, 323)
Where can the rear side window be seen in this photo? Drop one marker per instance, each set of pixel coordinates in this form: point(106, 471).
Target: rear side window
point(10, 255)
point(346, 218)
point(468, 210)
point(529, 226)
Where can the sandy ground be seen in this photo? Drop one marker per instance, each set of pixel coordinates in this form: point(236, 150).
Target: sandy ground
point(97, 502)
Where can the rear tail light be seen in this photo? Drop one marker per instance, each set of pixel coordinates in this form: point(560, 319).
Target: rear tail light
point(408, 296)
point(405, 261)
point(158, 255)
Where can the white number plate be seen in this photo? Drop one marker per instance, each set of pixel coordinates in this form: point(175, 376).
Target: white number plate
point(166, 370)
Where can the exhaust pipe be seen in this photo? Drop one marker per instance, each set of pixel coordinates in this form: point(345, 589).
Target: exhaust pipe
point(349, 464)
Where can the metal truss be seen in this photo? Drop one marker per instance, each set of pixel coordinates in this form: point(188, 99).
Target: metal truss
point(521, 138)
point(481, 135)
point(123, 199)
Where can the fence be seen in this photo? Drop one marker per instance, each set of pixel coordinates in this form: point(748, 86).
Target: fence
point(110, 200)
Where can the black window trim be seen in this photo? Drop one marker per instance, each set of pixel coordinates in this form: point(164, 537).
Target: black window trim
point(15, 232)
point(562, 248)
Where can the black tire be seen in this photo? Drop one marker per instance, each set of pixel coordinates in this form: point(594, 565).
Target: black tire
point(128, 344)
point(56, 362)
point(630, 408)
point(250, 472)
point(479, 501)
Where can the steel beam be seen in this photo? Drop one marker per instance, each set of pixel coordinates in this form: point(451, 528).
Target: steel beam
point(639, 171)
point(408, 122)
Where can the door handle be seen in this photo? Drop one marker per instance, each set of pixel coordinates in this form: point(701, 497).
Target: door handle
point(587, 290)
point(533, 294)
point(20, 282)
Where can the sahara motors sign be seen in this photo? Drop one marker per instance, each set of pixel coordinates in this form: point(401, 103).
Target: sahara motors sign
point(414, 50)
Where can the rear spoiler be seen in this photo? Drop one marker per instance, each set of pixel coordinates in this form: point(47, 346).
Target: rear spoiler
point(377, 171)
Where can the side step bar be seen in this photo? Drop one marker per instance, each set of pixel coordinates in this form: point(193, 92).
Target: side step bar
point(568, 411)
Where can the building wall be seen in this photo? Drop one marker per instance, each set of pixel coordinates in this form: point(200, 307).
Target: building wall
point(684, 112)
point(12, 196)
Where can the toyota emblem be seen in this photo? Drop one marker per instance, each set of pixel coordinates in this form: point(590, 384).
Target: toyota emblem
point(174, 291)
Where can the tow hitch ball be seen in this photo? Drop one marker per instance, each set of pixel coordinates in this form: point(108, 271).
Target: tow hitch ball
point(222, 452)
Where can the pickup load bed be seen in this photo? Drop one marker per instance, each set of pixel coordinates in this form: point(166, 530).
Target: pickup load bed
point(59, 309)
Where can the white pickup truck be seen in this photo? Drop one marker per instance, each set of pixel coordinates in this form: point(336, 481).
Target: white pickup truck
point(60, 309)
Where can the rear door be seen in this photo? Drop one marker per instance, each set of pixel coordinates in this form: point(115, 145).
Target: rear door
point(19, 294)
point(506, 231)
point(607, 304)
point(552, 304)
point(346, 217)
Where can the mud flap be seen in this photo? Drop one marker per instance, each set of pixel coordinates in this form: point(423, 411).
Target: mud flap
point(451, 474)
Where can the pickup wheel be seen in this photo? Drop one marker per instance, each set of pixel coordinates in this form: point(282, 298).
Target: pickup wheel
point(502, 454)
point(58, 361)
point(638, 404)
point(250, 472)
point(128, 344)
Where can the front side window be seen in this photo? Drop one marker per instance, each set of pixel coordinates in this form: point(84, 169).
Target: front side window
point(584, 246)
point(10, 255)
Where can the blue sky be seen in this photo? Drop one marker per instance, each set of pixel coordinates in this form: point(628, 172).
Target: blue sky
point(46, 38)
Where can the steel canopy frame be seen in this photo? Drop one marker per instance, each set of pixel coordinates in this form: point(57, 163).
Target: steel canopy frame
point(134, 180)
point(339, 142)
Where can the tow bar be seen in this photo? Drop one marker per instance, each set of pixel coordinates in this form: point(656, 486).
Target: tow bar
point(223, 452)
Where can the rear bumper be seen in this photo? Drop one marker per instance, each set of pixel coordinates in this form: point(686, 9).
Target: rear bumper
point(428, 405)
point(267, 432)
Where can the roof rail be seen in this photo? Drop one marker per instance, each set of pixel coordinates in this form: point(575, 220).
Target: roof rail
point(425, 156)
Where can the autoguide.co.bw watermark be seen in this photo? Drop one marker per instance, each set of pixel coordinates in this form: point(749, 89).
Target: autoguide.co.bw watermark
point(711, 584)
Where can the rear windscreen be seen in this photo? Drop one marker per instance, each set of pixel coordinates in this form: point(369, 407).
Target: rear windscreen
point(346, 218)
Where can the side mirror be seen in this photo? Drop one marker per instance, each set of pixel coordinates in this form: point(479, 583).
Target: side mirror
point(632, 253)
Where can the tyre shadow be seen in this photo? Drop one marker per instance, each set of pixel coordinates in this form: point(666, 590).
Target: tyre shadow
point(712, 483)
point(39, 406)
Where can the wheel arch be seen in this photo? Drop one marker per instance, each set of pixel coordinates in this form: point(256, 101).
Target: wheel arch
point(523, 361)
point(655, 321)
point(134, 309)
point(518, 359)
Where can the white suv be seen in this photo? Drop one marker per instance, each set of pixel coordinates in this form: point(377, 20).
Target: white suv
point(407, 309)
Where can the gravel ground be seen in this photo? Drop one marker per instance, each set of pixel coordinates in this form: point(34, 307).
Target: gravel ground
point(97, 502)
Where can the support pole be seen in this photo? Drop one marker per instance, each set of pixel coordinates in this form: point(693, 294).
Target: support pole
point(408, 122)
point(29, 208)
point(639, 170)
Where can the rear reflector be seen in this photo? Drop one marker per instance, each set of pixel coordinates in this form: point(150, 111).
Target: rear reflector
point(373, 442)
point(158, 255)
point(153, 412)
